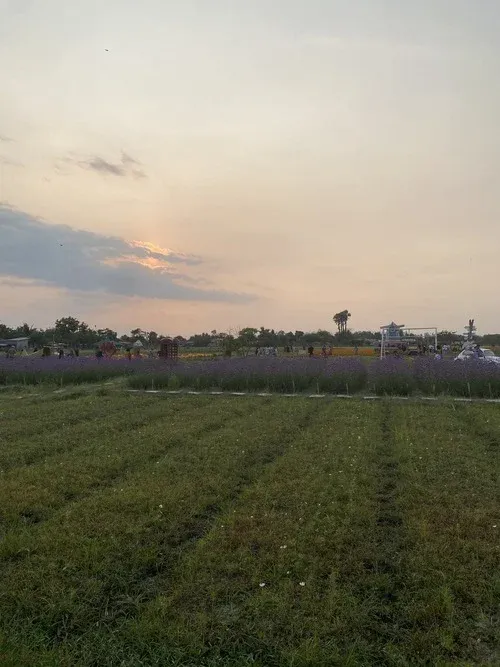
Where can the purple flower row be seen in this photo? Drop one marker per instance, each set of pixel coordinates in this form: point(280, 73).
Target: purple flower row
point(290, 375)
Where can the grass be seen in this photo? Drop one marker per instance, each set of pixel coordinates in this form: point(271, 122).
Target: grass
point(196, 530)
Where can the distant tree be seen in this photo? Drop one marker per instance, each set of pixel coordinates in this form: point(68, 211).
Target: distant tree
point(246, 339)
point(200, 340)
point(153, 338)
point(180, 340)
point(365, 336)
point(5, 331)
point(324, 337)
point(39, 337)
point(266, 337)
point(491, 339)
point(447, 337)
point(107, 334)
point(24, 330)
point(66, 329)
point(139, 334)
point(248, 335)
point(341, 319)
point(345, 338)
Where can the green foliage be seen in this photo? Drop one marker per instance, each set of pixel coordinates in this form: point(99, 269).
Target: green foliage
point(140, 530)
point(341, 319)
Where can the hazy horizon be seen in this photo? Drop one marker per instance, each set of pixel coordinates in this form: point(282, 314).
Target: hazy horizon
point(188, 166)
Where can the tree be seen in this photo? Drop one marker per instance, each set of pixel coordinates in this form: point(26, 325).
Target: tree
point(25, 330)
point(324, 337)
point(200, 340)
point(247, 338)
point(248, 335)
point(366, 336)
point(139, 334)
point(153, 338)
point(345, 337)
point(447, 337)
point(340, 320)
point(266, 337)
point(5, 331)
point(66, 329)
point(107, 334)
point(491, 339)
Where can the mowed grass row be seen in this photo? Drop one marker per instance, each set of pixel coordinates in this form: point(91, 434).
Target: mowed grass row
point(99, 419)
point(31, 415)
point(374, 540)
point(98, 453)
point(300, 533)
point(451, 506)
point(94, 561)
point(274, 583)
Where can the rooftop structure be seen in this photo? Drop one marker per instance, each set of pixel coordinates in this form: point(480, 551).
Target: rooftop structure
point(19, 343)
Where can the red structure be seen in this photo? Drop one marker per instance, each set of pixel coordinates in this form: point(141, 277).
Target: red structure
point(108, 348)
point(169, 349)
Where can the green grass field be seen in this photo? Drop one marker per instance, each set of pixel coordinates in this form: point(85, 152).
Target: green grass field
point(233, 531)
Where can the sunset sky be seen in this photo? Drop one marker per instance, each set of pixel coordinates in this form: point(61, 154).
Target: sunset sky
point(192, 165)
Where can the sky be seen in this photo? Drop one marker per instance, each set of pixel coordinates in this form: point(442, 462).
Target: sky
point(188, 165)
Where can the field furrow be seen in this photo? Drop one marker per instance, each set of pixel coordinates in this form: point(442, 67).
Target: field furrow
point(451, 501)
point(32, 493)
point(95, 561)
point(93, 433)
point(283, 561)
point(227, 531)
point(31, 417)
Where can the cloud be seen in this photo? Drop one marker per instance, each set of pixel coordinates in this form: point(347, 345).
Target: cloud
point(84, 261)
point(9, 162)
point(127, 166)
point(6, 140)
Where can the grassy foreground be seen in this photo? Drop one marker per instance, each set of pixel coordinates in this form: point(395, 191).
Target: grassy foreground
point(192, 530)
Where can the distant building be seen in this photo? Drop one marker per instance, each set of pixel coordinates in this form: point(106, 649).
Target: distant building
point(393, 331)
point(18, 343)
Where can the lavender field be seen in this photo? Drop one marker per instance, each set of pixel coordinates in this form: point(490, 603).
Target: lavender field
point(425, 376)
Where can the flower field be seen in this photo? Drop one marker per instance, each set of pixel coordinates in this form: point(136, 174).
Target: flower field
point(344, 375)
point(141, 529)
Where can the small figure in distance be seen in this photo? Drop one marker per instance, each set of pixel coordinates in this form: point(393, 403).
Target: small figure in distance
point(60, 353)
point(310, 350)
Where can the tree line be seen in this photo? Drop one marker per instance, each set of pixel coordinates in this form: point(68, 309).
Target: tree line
point(70, 331)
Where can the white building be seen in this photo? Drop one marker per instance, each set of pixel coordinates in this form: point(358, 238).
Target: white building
point(18, 343)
